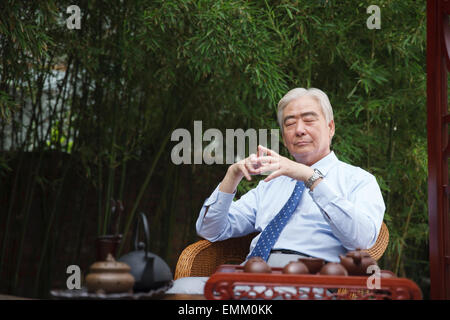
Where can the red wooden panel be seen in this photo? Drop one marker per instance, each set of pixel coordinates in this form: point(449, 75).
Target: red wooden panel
point(445, 6)
point(231, 282)
point(438, 40)
point(446, 35)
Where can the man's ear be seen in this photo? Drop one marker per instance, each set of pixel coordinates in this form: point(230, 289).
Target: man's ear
point(332, 128)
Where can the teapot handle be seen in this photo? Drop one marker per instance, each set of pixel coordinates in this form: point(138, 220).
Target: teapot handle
point(142, 217)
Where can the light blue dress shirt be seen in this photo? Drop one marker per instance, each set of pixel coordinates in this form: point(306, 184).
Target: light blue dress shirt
point(343, 212)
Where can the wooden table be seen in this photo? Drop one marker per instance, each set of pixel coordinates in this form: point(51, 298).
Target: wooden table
point(231, 282)
point(165, 297)
point(8, 297)
point(178, 296)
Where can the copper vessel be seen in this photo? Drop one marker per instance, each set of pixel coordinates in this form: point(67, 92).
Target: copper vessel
point(110, 276)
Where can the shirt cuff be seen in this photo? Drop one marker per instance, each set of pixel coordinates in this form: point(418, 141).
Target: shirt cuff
point(213, 215)
point(219, 201)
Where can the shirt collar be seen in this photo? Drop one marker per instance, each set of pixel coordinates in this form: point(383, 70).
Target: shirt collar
point(326, 163)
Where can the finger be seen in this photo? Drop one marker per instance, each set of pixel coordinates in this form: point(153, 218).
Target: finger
point(262, 149)
point(253, 161)
point(273, 175)
point(252, 168)
point(251, 164)
point(268, 159)
point(270, 167)
point(246, 174)
point(260, 152)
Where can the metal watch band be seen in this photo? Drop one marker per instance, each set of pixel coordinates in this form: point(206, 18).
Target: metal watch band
point(316, 175)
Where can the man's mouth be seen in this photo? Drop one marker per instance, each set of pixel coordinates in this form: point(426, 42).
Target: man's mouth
point(302, 143)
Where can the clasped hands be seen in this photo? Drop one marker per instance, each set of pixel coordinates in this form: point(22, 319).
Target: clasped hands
point(269, 161)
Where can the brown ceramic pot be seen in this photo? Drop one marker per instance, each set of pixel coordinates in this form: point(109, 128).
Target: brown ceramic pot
point(314, 264)
point(257, 265)
point(296, 267)
point(356, 262)
point(333, 269)
point(105, 245)
point(110, 276)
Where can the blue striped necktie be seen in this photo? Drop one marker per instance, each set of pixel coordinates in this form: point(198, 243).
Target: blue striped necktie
point(273, 230)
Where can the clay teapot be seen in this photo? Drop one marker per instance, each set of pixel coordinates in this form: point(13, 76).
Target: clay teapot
point(333, 269)
point(148, 269)
point(110, 276)
point(314, 264)
point(257, 265)
point(356, 262)
point(296, 267)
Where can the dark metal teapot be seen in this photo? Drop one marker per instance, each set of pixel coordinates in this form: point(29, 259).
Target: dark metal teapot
point(148, 269)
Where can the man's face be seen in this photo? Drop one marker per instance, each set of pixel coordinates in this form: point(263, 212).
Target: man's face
point(306, 133)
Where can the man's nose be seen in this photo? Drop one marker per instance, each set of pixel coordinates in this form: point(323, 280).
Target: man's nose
point(300, 128)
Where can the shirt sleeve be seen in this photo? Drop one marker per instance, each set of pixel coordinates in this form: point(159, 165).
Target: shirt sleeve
point(354, 219)
point(221, 218)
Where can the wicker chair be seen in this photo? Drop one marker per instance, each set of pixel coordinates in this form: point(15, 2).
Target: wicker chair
point(201, 258)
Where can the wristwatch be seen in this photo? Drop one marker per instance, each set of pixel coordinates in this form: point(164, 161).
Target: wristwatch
point(316, 175)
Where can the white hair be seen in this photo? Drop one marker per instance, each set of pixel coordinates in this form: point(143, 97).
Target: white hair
point(297, 93)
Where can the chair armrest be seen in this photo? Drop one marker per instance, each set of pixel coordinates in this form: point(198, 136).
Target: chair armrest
point(188, 255)
point(201, 258)
point(377, 251)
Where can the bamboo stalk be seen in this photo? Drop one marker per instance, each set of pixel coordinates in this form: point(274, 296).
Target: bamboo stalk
point(109, 192)
point(121, 196)
point(53, 243)
point(100, 188)
point(111, 180)
point(22, 147)
point(50, 225)
point(30, 186)
point(403, 238)
point(12, 200)
point(82, 230)
point(122, 180)
point(130, 218)
point(27, 207)
point(55, 216)
point(71, 111)
point(188, 229)
point(168, 240)
point(53, 115)
point(159, 217)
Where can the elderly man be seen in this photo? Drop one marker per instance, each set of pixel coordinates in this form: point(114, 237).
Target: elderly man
point(315, 206)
